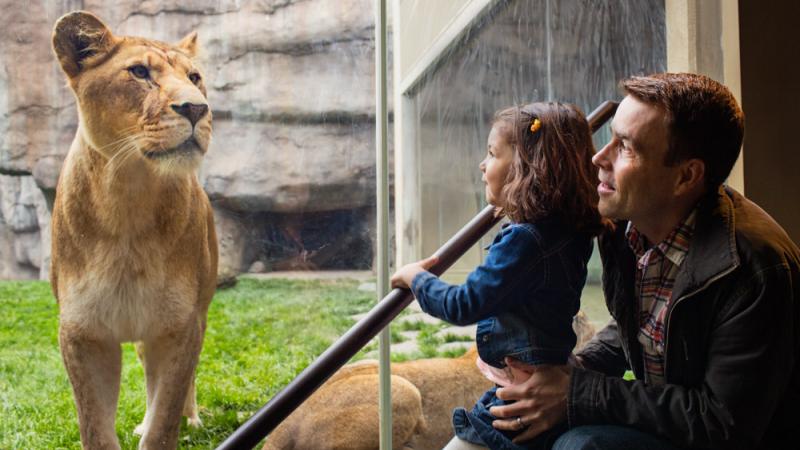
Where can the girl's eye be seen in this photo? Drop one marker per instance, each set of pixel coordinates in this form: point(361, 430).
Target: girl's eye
point(139, 71)
point(194, 78)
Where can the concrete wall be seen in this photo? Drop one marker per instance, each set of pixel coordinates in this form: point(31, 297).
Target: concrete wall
point(419, 35)
point(770, 64)
point(703, 37)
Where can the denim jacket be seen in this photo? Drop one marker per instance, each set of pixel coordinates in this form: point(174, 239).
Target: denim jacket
point(523, 296)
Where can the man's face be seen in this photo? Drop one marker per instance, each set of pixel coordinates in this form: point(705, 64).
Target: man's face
point(635, 184)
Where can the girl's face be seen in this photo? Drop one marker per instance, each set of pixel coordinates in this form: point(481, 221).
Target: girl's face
point(497, 163)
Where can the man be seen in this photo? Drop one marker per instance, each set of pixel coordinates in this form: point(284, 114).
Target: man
point(702, 285)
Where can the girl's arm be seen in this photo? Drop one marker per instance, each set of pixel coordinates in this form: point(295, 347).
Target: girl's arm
point(510, 273)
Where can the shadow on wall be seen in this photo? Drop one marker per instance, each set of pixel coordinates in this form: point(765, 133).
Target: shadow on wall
point(331, 240)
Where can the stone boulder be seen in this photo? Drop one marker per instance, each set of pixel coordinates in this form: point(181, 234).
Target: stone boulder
point(291, 85)
point(24, 229)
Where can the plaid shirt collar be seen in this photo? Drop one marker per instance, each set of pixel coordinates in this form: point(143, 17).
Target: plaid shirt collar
point(674, 247)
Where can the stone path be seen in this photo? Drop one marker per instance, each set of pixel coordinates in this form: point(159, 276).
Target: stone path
point(410, 346)
point(358, 275)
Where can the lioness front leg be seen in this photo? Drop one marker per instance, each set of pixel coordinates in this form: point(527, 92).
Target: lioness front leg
point(190, 410)
point(93, 364)
point(169, 361)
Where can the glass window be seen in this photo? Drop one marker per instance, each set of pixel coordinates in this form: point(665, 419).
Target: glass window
point(518, 51)
point(290, 174)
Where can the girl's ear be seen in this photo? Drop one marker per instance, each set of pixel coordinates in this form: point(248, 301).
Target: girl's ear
point(77, 37)
point(189, 44)
point(692, 176)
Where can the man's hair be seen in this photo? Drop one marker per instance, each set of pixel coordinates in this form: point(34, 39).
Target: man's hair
point(704, 120)
point(552, 173)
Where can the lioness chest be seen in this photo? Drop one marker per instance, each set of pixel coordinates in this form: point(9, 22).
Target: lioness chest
point(127, 292)
point(128, 272)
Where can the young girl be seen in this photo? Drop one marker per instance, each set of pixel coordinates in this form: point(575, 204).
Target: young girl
point(538, 172)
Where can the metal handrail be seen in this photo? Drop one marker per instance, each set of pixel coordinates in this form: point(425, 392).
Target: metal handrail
point(310, 379)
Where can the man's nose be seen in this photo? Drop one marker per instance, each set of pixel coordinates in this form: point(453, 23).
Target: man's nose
point(599, 158)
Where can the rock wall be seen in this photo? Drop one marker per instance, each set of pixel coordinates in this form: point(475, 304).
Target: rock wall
point(291, 85)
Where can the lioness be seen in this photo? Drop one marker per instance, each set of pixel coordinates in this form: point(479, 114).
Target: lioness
point(134, 254)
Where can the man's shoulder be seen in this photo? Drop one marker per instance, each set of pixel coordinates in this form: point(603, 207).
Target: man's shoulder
point(760, 240)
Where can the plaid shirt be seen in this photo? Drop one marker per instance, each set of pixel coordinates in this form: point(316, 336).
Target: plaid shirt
point(656, 270)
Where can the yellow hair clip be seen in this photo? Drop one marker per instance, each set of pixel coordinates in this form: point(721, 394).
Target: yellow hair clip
point(535, 125)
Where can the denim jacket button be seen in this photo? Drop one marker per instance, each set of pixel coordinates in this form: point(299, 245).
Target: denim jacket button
point(485, 338)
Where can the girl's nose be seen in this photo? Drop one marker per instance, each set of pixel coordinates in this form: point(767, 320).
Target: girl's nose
point(482, 165)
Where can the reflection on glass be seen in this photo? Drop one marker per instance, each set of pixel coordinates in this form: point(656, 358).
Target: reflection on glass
point(520, 51)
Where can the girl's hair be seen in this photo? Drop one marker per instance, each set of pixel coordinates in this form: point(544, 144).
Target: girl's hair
point(552, 173)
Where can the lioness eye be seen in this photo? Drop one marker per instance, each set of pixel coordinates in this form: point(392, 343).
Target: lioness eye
point(194, 78)
point(139, 71)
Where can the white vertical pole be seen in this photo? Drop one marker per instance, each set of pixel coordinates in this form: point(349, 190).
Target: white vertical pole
point(382, 207)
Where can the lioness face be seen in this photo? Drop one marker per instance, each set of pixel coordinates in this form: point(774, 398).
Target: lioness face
point(140, 99)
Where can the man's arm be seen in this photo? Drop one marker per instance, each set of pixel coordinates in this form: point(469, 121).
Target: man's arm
point(751, 357)
point(603, 353)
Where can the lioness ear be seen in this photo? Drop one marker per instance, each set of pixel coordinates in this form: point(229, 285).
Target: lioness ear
point(189, 44)
point(77, 37)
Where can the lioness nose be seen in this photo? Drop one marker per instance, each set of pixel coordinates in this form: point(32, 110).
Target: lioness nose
point(191, 111)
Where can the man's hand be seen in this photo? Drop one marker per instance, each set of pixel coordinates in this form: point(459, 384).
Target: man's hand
point(403, 277)
point(540, 402)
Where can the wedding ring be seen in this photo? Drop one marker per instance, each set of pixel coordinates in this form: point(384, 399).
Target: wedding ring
point(519, 422)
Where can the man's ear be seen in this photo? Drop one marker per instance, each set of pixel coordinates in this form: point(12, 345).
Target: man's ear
point(77, 37)
point(692, 176)
point(189, 44)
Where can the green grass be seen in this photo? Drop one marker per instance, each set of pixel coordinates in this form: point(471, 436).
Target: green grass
point(450, 337)
point(260, 335)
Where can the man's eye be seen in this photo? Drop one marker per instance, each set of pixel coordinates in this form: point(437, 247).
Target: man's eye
point(194, 78)
point(139, 71)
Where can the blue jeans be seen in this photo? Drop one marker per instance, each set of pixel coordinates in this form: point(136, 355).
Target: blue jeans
point(475, 426)
point(609, 437)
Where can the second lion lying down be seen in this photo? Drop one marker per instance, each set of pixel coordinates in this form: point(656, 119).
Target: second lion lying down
point(343, 413)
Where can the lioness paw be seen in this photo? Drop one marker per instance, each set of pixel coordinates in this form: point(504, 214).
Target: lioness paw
point(194, 422)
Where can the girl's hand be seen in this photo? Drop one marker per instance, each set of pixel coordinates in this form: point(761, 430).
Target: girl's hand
point(403, 277)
